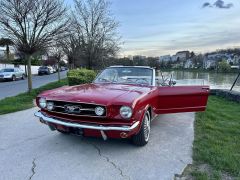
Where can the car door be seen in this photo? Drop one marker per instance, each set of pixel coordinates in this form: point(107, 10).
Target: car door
point(177, 99)
point(16, 72)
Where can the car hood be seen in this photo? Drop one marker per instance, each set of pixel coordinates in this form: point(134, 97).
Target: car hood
point(5, 73)
point(104, 94)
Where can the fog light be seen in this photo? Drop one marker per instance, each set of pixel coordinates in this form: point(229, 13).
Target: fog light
point(99, 111)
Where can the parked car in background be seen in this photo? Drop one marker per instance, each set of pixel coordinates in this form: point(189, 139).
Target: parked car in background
point(63, 68)
point(51, 69)
point(12, 74)
point(43, 70)
point(120, 103)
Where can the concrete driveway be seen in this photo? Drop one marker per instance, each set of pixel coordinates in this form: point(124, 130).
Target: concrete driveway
point(29, 150)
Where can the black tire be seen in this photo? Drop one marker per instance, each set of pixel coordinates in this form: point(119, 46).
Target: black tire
point(13, 78)
point(63, 132)
point(142, 137)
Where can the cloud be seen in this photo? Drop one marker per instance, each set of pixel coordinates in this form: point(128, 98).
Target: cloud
point(218, 4)
point(221, 4)
point(206, 4)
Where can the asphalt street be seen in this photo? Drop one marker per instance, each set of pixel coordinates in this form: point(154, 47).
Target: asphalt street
point(29, 150)
point(12, 88)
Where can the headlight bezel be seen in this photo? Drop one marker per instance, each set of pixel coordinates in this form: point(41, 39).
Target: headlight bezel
point(126, 112)
point(42, 102)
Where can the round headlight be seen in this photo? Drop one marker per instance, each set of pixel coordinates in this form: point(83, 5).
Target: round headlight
point(42, 102)
point(50, 106)
point(126, 112)
point(99, 111)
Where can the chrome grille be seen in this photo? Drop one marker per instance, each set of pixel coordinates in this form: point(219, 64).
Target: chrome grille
point(73, 108)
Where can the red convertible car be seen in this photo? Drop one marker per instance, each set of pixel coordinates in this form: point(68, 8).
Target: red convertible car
point(120, 103)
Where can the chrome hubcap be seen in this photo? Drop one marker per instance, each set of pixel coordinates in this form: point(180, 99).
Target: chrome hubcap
point(146, 127)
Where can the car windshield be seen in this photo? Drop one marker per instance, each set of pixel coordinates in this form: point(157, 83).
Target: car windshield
point(7, 70)
point(126, 75)
point(43, 67)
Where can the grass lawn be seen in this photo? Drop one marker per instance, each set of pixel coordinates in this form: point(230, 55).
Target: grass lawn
point(216, 148)
point(25, 100)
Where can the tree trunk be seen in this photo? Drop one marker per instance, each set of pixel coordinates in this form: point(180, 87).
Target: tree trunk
point(58, 71)
point(29, 73)
point(25, 66)
point(7, 52)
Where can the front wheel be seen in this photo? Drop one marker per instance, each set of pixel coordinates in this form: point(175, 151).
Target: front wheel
point(142, 137)
point(13, 78)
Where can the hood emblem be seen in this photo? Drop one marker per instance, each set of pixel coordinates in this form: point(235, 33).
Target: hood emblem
point(72, 109)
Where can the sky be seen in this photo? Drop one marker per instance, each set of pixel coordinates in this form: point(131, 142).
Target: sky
point(162, 27)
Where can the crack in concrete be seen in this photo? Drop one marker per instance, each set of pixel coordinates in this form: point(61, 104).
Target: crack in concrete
point(33, 169)
point(109, 161)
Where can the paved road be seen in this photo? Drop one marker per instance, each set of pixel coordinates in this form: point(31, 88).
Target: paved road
point(29, 150)
point(13, 88)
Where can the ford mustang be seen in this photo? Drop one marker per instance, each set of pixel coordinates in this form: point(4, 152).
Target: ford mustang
point(120, 103)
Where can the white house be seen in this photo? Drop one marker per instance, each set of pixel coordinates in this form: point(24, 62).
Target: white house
point(174, 58)
point(236, 60)
point(165, 58)
point(189, 64)
point(209, 63)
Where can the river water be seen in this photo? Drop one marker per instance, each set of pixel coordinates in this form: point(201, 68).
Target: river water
point(214, 80)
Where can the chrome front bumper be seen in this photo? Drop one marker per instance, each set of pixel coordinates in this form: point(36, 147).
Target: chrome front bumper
point(84, 126)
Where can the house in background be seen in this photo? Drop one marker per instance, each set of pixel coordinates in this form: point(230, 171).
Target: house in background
point(236, 59)
point(209, 63)
point(165, 58)
point(189, 64)
point(183, 55)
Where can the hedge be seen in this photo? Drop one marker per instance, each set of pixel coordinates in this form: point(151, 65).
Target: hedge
point(80, 76)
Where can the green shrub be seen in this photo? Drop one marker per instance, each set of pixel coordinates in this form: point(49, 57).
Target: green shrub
point(80, 76)
point(224, 66)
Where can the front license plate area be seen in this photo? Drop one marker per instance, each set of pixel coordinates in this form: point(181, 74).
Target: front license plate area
point(62, 128)
point(78, 131)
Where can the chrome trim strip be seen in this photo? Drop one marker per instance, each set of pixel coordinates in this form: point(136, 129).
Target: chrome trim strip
point(85, 126)
point(76, 102)
point(82, 109)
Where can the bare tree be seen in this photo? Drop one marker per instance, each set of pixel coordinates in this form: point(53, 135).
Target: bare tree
point(57, 52)
point(96, 29)
point(71, 45)
point(32, 25)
